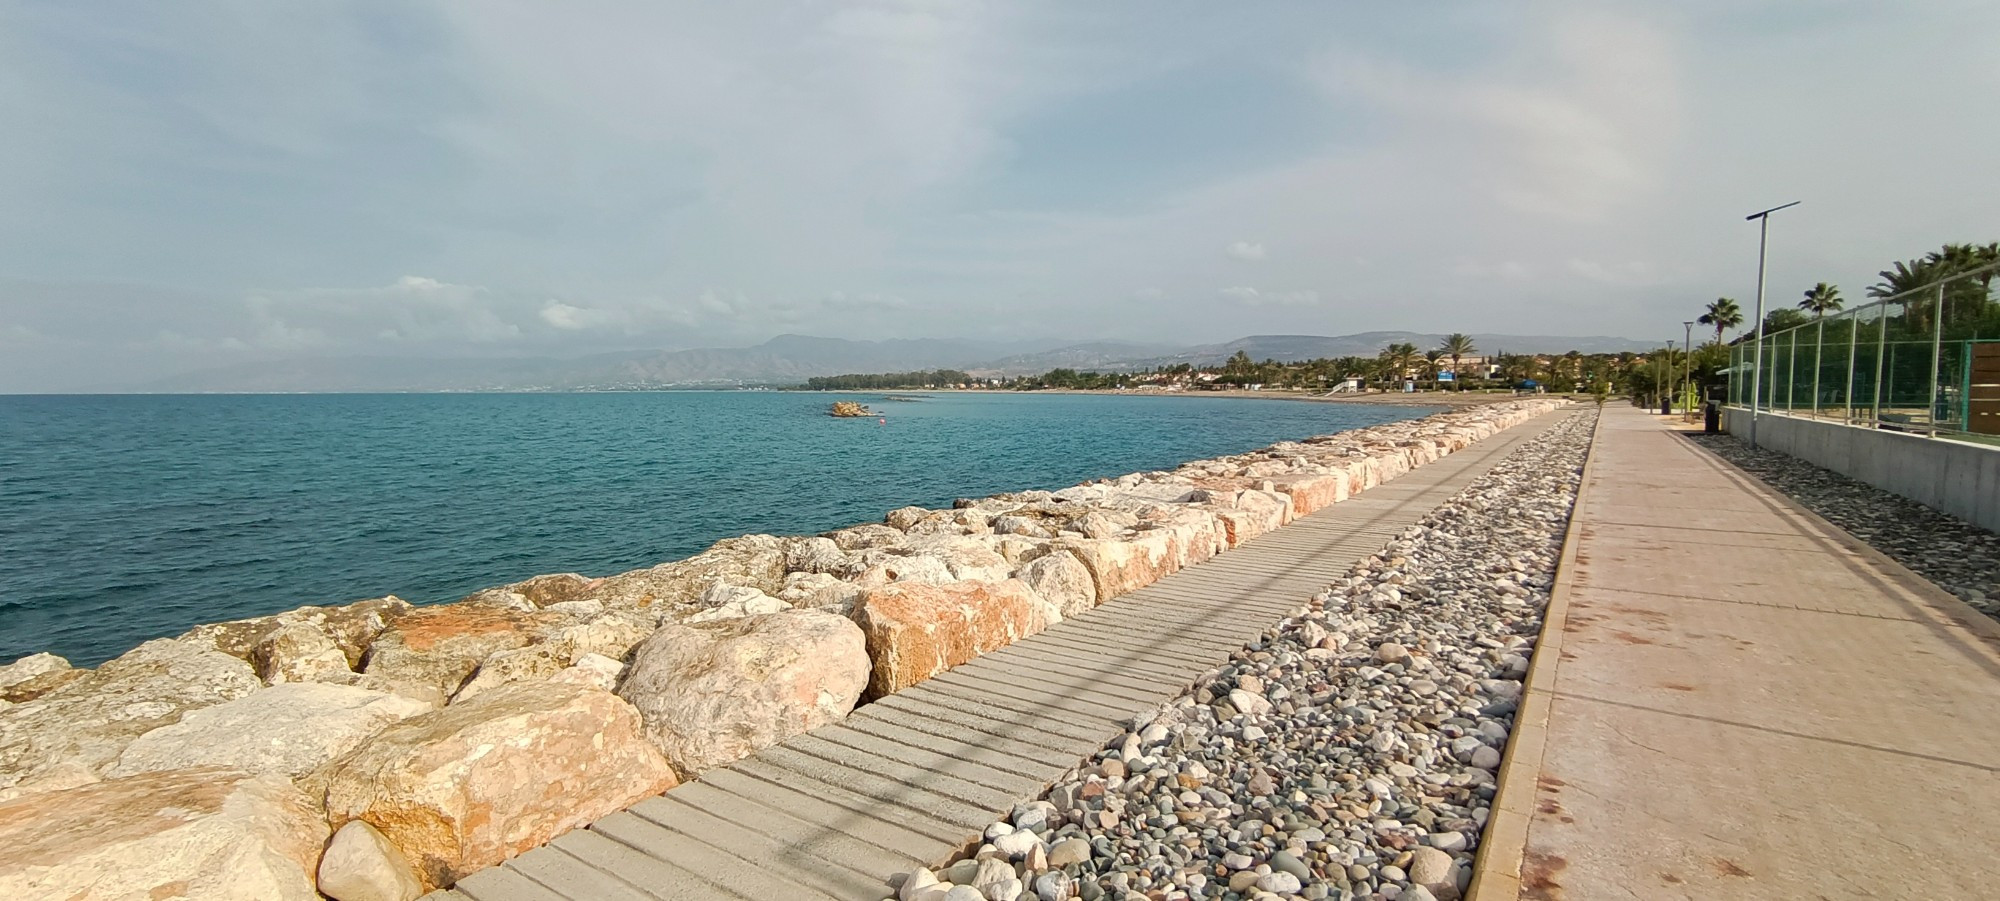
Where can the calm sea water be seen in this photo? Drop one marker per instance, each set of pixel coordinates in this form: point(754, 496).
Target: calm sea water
point(124, 518)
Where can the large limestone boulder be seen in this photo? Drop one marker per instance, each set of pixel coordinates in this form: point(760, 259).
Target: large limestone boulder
point(735, 602)
point(612, 634)
point(865, 536)
point(717, 692)
point(475, 783)
point(207, 833)
point(299, 652)
point(360, 864)
point(818, 590)
point(1061, 579)
point(751, 561)
point(814, 555)
point(917, 630)
point(1119, 565)
point(540, 591)
point(897, 565)
point(286, 729)
point(33, 676)
point(537, 661)
point(74, 732)
point(434, 650)
point(351, 627)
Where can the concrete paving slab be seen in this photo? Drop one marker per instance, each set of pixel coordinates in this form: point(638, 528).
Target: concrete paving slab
point(1744, 702)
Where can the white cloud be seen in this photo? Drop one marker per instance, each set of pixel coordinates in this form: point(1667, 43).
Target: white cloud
point(565, 316)
point(1148, 294)
point(1251, 297)
point(1245, 250)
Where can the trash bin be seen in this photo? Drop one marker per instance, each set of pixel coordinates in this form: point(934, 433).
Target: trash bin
point(1666, 406)
point(1711, 420)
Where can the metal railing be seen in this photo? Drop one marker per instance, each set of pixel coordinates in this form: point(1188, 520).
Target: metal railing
point(1925, 360)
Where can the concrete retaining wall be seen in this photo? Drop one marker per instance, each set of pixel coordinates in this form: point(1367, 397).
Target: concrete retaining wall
point(1959, 478)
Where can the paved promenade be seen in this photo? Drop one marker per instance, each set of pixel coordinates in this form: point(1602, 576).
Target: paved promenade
point(1744, 702)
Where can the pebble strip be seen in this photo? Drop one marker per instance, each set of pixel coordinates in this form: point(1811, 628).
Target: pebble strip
point(1953, 554)
point(1350, 752)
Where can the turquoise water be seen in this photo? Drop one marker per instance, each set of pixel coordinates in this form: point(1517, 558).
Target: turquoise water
point(124, 518)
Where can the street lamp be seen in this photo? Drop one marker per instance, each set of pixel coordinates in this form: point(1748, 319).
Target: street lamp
point(1687, 353)
point(1757, 373)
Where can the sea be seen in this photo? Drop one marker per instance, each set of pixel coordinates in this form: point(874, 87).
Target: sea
point(126, 518)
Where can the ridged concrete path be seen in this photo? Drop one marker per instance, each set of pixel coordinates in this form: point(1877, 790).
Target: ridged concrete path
point(1734, 698)
point(911, 779)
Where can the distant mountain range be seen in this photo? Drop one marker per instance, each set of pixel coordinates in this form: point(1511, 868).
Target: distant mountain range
point(791, 359)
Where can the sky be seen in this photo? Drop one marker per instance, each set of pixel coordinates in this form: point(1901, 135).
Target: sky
point(207, 182)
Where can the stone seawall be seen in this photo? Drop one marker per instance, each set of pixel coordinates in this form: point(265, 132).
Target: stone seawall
point(376, 749)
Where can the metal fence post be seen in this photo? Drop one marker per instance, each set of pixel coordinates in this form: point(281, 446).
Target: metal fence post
point(1791, 375)
point(1881, 351)
point(1853, 341)
point(1819, 351)
point(1937, 357)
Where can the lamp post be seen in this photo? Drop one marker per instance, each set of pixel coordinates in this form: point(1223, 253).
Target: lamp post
point(1687, 352)
point(1757, 373)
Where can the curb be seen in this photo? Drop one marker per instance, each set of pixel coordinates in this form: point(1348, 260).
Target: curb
point(1496, 870)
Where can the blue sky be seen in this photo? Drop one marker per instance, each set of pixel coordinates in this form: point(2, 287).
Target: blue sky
point(201, 182)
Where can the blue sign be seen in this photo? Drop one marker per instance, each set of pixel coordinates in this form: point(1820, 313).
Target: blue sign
point(1446, 377)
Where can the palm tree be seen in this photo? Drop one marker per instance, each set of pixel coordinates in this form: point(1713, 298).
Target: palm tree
point(1397, 360)
point(1986, 255)
point(1821, 300)
point(1904, 277)
point(1724, 314)
point(1431, 367)
point(1458, 347)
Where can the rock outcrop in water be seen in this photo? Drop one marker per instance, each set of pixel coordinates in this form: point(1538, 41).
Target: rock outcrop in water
point(462, 733)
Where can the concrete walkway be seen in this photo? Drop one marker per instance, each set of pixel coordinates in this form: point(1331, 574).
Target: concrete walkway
point(911, 779)
point(1738, 700)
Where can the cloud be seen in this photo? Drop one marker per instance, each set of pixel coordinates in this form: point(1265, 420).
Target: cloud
point(1245, 250)
point(1148, 294)
point(565, 316)
point(1251, 297)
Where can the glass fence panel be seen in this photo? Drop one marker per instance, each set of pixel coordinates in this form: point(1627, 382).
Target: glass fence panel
point(1865, 376)
point(1924, 361)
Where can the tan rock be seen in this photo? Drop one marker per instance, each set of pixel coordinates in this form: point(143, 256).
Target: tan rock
point(1062, 580)
point(472, 784)
point(288, 729)
point(611, 634)
point(543, 591)
point(717, 692)
point(361, 865)
point(1120, 565)
point(351, 627)
point(39, 684)
point(298, 652)
point(82, 726)
point(29, 667)
point(863, 537)
point(438, 648)
point(207, 833)
point(916, 631)
point(902, 518)
point(751, 561)
point(818, 590)
point(814, 555)
point(515, 665)
point(591, 671)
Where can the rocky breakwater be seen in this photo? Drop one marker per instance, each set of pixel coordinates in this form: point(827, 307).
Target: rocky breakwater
point(1350, 752)
point(376, 750)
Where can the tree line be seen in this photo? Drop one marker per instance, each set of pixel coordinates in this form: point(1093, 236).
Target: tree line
point(879, 381)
